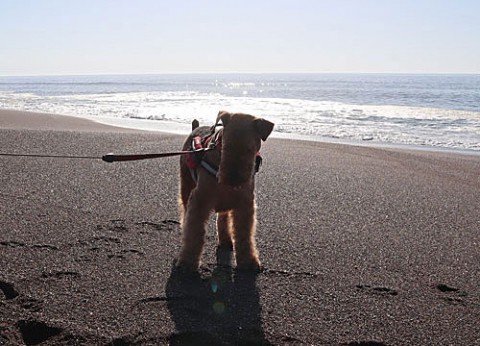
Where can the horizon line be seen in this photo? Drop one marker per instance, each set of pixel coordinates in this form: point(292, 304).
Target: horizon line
point(234, 73)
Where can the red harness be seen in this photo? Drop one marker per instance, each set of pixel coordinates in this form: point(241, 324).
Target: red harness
point(200, 145)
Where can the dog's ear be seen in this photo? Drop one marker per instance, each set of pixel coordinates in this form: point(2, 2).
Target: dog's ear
point(263, 127)
point(195, 124)
point(224, 116)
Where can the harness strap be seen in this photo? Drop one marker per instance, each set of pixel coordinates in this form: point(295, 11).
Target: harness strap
point(213, 170)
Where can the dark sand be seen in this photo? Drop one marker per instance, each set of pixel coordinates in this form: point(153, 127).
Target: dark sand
point(362, 246)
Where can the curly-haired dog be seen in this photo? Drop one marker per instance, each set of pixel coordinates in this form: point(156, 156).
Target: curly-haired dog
point(222, 178)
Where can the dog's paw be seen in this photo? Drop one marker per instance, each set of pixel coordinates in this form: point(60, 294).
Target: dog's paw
point(253, 266)
point(185, 266)
point(224, 256)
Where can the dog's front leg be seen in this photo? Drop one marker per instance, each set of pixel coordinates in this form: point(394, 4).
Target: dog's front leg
point(244, 224)
point(224, 230)
point(193, 230)
point(225, 244)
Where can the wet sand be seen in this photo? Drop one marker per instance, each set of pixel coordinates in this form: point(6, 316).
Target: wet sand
point(362, 246)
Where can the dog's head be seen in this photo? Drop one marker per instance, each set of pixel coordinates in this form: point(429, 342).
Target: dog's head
point(242, 138)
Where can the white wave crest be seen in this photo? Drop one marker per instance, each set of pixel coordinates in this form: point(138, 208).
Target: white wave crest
point(391, 124)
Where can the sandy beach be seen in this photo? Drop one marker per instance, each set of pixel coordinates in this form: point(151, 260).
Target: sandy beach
point(361, 246)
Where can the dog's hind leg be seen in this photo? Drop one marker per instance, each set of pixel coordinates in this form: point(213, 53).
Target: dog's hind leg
point(244, 224)
point(186, 186)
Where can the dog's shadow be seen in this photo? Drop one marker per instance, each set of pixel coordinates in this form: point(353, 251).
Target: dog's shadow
point(218, 308)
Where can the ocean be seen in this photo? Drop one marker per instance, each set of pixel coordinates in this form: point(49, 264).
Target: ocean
point(441, 111)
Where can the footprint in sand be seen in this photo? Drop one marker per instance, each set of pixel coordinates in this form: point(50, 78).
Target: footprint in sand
point(163, 225)
point(13, 243)
point(29, 331)
point(45, 246)
point(107, 239)
point(118, 226)
point(35, 332)
point(30, 304)
point(60, 274)
point(451, 294)
point(381, 291)
point(365, 343)
point(25, 302)
point(8, 290)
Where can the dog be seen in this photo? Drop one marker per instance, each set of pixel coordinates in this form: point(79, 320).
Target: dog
point(219, 175)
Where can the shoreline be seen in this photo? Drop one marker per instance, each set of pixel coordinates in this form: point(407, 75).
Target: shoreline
point(17, 120)
point(183, 129)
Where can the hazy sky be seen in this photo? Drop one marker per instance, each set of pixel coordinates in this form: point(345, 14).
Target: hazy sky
point(44, 37)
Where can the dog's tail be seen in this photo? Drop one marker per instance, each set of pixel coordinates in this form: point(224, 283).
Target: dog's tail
point(195, 124)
